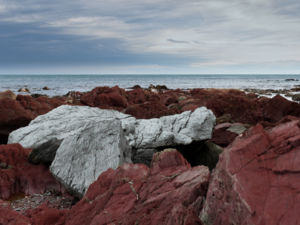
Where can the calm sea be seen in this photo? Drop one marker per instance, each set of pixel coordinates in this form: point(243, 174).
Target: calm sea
point(62, 84)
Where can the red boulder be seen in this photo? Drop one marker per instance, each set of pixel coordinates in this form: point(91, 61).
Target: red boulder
point(149, 110)
point(106, 98)
point(170, 192)
point(12, 116)
point(40, 105)
point(278, 107)
point(17, 175)
point(11, 217)
point(257, 179)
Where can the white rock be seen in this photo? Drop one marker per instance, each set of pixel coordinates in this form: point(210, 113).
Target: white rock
point(180, 129)
point(57, 125)
point(82, 157)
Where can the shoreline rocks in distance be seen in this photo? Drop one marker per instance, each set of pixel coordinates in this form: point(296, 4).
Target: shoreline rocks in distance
point(24, 89)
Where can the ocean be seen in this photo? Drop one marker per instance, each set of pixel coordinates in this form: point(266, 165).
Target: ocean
point(62, 84)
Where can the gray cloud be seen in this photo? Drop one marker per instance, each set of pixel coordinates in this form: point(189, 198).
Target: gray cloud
point(223, 32)
point(177, 41)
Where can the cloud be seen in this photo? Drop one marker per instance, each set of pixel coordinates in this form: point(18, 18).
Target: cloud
point(197, 32)
point(177, 41)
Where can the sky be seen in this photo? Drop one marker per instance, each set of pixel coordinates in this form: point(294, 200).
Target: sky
point(150, 36)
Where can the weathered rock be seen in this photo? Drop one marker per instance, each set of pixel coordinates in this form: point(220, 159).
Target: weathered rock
point(21, 176)
point(12, 116)
point(46, 88)
point(225, 133)
point(105, 97)
point(46, 131)
point(45, 215)
point(170, 192)
point(82, 157)
point(257, 179)
point(64, 121)
point(149, 110)
point(180, 129)
point(11, 217)
point(296, 97)
point(278, 107)
point(7, 95)
point(24, 89)
point(40, 105)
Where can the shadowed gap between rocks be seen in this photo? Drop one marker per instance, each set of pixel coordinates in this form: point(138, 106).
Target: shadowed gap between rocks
point(3, 139)
point(198, 153)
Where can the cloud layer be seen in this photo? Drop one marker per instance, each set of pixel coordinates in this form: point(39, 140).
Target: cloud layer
point(192, 36)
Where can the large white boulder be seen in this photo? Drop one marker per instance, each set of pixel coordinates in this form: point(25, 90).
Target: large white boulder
point(45, 133)
point(82, 157)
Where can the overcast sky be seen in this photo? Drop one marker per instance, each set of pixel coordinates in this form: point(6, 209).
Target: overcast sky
point(150, 36)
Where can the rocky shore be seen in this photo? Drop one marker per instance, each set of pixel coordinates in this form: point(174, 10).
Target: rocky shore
point(149, 156)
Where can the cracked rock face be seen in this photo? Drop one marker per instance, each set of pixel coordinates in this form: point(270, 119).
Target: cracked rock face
point(82, 157)
point(257, 179)
point(76, 135)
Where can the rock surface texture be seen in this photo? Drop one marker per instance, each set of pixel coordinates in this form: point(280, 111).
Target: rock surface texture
point(170, 192)
point(85, 141)
point(82, 157)
point(18, 111)
point(19, 176)
point(257, 179)
point(50, 129)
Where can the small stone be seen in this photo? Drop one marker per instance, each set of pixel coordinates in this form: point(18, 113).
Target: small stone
point(3, 165)
point(24, 89)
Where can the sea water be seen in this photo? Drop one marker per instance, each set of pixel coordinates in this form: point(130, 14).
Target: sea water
point(62, 84)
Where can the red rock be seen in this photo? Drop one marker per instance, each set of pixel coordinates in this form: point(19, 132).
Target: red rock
point(170, 192)
point(12, 116)
point(40, 105)
point(221, 136)
point(138, 96)
point(240, 106)
point(257, 179)
point(105, 97)
point(18, 175)
point(278, 107)
point(18, 112)
point(7, 95)
point(11, 217)
point(149, 110)
point(44, 215)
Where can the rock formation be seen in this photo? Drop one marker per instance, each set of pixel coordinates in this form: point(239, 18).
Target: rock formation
point(82, 157)
point(45, 133)
point(169, 192)
point(257, 179)
point(19, 176)
point(91, 140)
